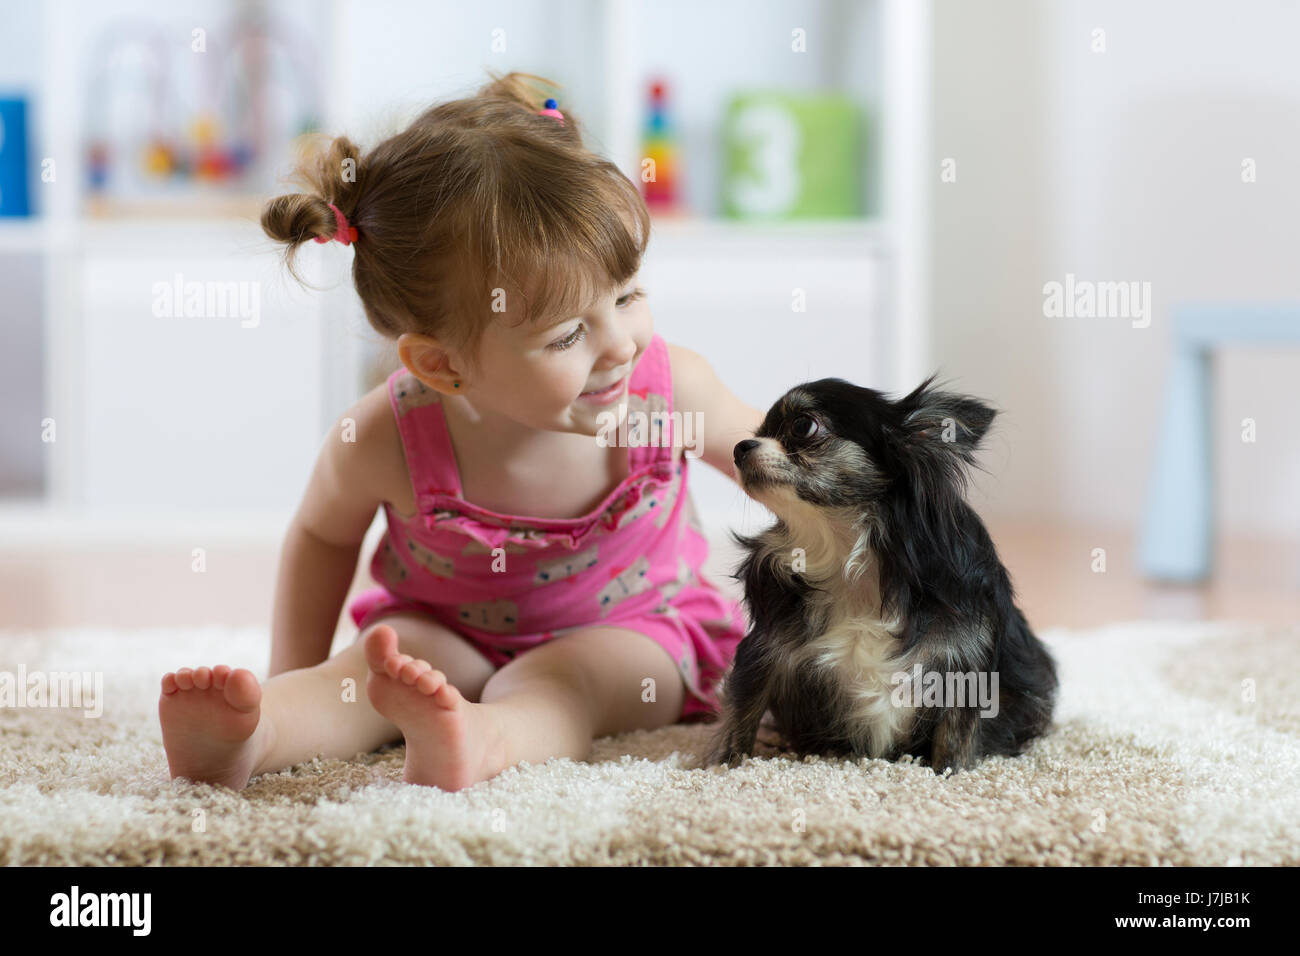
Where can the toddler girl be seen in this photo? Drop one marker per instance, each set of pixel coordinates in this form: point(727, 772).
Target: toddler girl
point(539, 578)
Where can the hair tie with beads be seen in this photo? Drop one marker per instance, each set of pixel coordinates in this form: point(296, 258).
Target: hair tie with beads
point(343, 233)
point(551, 110)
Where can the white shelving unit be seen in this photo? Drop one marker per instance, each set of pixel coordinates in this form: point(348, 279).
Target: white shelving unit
point(233, 425)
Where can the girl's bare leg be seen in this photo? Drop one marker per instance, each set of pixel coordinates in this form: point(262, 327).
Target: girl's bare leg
point(220, 726)
point(550, 702)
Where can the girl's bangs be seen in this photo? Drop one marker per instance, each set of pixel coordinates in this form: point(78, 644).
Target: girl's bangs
point(583, 258)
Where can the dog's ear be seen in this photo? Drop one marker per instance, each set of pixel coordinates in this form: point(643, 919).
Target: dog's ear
point(943, 422)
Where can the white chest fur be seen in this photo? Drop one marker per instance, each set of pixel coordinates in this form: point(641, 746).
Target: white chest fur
point(858, 656)
point(857, 652)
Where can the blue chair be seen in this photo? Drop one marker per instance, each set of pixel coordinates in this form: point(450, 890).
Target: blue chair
point(1177, 541)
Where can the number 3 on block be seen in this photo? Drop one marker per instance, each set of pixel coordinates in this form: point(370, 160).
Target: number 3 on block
point(773, 183)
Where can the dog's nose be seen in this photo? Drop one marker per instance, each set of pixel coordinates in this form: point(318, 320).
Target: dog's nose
point(743, 448)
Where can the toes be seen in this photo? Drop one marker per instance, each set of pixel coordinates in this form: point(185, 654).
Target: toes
point(395, 663)
point(242, 691)
point(381, 644)
point(448, 696)
point(411, 671)
point(430, 681)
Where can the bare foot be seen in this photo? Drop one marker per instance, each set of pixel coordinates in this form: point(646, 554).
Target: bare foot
point(451, 743)
point(209, 718)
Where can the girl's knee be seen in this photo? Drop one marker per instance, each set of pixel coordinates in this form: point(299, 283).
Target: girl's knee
point(351, 658)
point(622, 679)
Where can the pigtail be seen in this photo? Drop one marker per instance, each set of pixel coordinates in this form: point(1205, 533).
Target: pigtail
point(328, 171)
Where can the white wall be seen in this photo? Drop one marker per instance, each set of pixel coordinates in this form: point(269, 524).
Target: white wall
point(1120, 165)
point(431, 51)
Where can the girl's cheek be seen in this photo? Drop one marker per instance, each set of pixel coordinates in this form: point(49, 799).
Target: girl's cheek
point(576, 380)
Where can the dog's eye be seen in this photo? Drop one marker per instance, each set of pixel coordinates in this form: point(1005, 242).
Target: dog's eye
point(805, 427)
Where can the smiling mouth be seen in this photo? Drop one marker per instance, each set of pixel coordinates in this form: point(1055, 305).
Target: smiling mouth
point(607, 388)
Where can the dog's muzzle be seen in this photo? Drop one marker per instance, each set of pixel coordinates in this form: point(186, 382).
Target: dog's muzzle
point(759, 464)
point(742, 449)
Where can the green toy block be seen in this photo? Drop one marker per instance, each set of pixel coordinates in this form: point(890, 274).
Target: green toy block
point(792, 156)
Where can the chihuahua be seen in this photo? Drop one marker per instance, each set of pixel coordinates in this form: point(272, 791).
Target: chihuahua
point(883, 623)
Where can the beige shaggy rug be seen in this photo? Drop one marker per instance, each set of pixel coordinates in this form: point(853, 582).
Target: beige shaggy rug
point(1173, 744)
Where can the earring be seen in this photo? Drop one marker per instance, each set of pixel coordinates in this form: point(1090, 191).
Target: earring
point(458, 384)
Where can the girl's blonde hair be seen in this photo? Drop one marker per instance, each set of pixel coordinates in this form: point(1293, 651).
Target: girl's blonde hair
point(478, 198)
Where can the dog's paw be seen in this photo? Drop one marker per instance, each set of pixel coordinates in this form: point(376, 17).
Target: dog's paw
point(731, 756)
point(730, 745)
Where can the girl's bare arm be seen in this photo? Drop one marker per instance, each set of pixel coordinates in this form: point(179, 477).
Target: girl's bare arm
point(724, 418)
point(319, 556)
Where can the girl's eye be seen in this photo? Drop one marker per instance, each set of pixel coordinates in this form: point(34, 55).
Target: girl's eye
point(805, 427)
point(578, 334)
point(570, 341)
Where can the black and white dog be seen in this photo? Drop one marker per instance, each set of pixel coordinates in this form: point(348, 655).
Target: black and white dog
point(881, 615)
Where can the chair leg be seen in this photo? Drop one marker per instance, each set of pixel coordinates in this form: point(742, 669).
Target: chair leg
point(1177, 540)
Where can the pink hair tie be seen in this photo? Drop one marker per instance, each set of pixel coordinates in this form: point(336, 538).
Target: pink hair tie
point(343, 232)
point(551, 110)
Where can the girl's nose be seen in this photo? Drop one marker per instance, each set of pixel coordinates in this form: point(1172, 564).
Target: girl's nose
point(621, 351)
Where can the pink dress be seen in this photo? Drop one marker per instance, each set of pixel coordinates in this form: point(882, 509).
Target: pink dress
point(633, 562)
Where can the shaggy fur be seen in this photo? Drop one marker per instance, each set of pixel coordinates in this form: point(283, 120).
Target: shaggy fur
point(877, 565)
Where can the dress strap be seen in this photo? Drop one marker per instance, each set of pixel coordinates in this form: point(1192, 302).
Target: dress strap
point(650, 404)
point(430, 458)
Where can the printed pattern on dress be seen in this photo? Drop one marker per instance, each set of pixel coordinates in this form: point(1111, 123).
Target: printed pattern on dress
point(412, 393)
point(627, 582)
